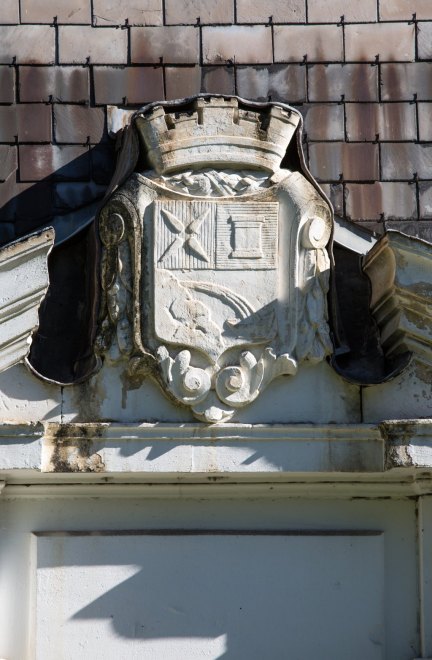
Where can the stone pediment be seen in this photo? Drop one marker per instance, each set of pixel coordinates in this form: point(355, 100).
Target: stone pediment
point(218, 282)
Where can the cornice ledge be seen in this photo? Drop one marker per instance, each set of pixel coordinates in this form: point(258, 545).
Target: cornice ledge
point(173, 451)
point(408, 443)
point(191, 449)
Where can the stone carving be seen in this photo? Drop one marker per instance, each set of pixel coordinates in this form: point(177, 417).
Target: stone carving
point(215, 278)
point(398, 267)
point(216, 183)
point(24, 282)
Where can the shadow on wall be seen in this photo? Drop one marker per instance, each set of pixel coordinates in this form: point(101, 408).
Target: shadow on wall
point(67, 199)
point(171, 594)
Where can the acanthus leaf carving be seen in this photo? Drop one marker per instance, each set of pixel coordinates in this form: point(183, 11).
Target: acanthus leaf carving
point(314, 341)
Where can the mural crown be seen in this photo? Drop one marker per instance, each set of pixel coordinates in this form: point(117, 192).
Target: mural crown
point(218, 132)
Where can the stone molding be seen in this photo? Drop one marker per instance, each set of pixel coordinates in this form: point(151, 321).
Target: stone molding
point(193, 453)
point(23, 283)
point(399, 269)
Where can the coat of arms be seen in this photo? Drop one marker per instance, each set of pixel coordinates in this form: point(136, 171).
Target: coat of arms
point(215, 268)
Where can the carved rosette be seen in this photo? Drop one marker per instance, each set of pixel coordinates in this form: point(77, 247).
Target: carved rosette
point(214, 279)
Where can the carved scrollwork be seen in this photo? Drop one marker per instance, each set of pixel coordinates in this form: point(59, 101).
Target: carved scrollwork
point(188, 384)
point(235, 386)
point(238, 386)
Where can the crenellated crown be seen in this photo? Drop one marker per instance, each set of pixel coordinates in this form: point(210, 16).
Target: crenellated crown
point(216, 132)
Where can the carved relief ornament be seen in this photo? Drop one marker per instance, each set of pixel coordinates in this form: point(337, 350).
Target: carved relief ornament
point(215, 268)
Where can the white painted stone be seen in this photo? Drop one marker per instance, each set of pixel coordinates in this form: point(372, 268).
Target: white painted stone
point(218, 132)
point(230, 290)
point(425, 574)
point(396, 519)
point(23, 284)
point(407, 396)
point(158, 450)
point(112, 395)
point(117, 119)
point(399, 268)
point(21, 447)
point(193, 596)
point(109, 395)
point(26, 398)
point(316, 394)
point(156, 453)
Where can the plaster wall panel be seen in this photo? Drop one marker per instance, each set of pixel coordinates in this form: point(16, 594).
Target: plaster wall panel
point(331, 399)
point(149, 595)
point(367, 567)
point(106, 397)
